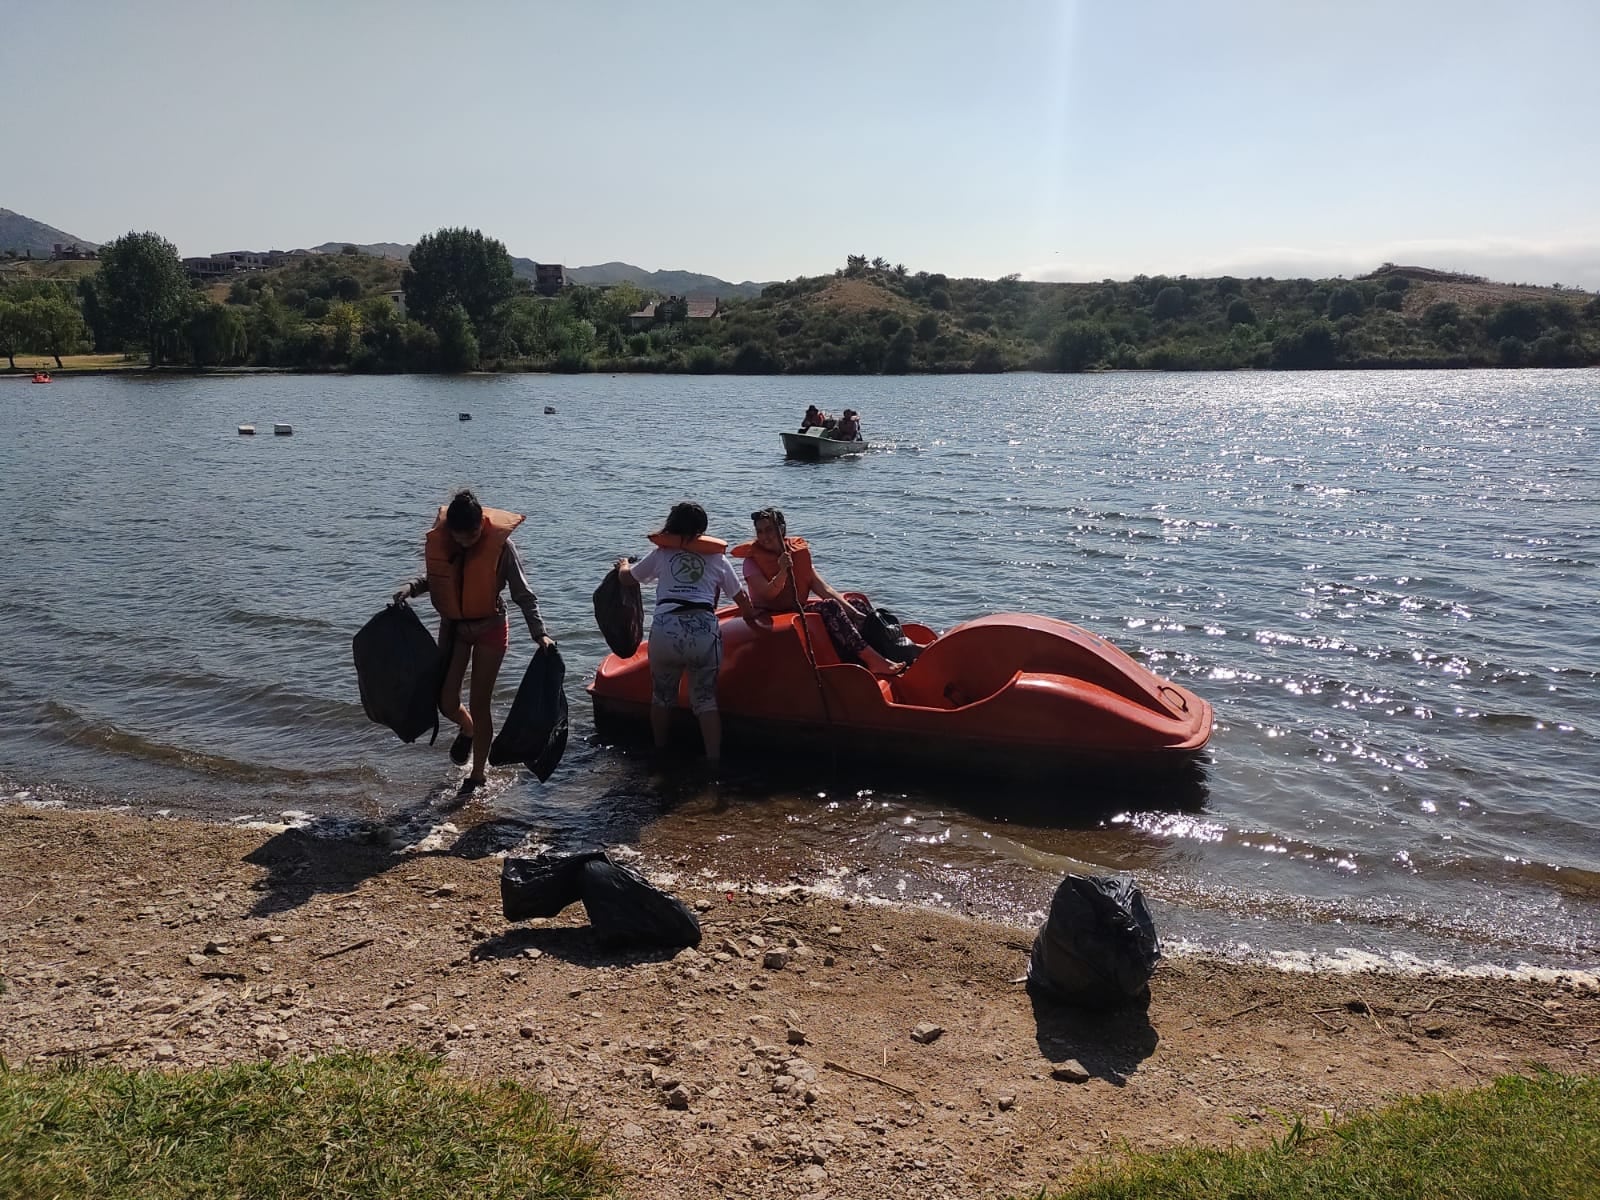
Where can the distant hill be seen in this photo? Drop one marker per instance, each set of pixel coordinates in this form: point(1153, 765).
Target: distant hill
point(396, 250)
point(22, 235)
point(672, 283)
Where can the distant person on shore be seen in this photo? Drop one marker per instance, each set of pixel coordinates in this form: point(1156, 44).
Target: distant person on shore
point(848, 428)
point(470, 559)
point(691, 572)
point(779, 574)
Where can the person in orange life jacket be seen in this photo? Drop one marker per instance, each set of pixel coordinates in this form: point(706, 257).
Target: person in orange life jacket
point(848, 428)
point(470, 559)
point(690, 571)
point(778, 570)
point(814, 418)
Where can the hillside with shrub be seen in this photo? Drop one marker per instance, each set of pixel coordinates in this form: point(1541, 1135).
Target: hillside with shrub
point(459, 304)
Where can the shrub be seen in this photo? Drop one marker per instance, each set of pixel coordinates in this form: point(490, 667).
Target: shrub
point(1169, 303)
point(1240, 312)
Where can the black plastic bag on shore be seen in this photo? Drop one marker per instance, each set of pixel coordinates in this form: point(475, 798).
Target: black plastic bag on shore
point(882, 632)
point(535, 730)
point(543, 886)
point(619, 611)
point(624, 908)
point(1098, 948)
point(399, 669)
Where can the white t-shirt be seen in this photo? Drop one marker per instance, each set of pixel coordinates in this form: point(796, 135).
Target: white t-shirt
point(687, 575)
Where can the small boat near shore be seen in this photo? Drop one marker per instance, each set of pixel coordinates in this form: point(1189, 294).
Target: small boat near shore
point(815, 444)
point(41, 377)
point(1007, 694)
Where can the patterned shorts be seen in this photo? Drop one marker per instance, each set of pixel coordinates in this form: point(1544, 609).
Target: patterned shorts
point(685, 641)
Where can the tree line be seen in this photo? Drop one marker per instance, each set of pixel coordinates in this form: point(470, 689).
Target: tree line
point(464, 308)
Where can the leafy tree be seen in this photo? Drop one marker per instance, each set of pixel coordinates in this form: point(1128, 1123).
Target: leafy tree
point(927, 327)
point(1446, 312)
point(1512, 351)
point(240, 293)
point(11, 330)
point(216, 336)
point(1169, 303)
point(1516, 319)
point(458, 345)
point(855, 264)
point(456, 267)
point(938, 298)
point(350, 251)
point(1240, 312)
point(898, 360)
point(1390, 299)
point(347, 287)
point(53, 325)
point(1080, 346)
point(1229, 286)
point(639, 346)
point(144, 288)
point(1345, 302)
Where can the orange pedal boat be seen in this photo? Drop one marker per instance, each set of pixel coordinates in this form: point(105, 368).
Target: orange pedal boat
point(1006, 694)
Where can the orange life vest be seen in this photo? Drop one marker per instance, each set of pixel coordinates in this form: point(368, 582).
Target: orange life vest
point(700, 545)
point(767, 561)
point(464, 581)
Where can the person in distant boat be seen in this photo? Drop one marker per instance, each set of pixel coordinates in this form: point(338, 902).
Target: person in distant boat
point(848, 428)
point(470, 559)
point(781, 578)
point(815, 418)
point(691, 572)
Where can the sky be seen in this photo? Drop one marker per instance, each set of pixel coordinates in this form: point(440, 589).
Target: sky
point(763, 141)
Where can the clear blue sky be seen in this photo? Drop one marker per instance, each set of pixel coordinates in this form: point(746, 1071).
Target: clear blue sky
point(762, 141)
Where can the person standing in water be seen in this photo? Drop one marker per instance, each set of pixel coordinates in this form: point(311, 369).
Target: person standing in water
point(470, 559)
point(691, 572)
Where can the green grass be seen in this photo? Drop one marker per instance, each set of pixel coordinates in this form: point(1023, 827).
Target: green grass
point(340, 1128)
point(1520, 1139)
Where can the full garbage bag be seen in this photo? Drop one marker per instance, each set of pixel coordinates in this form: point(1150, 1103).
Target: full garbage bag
point(399, 669)
point(535, 730)
point(1098, 948)
point(624, 908)
point(619, 611)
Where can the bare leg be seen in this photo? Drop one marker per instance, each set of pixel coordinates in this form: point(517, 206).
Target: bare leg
point(486, 662)
point(450, 690)
point(877, 663)
point(711, 734)
point(660, 722)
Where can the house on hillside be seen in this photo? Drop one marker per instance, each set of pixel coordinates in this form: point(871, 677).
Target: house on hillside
point(549, 278)
point(398, 299)
point(701, 311)
point(643, 319)
point(71, 250)
point(672, 310)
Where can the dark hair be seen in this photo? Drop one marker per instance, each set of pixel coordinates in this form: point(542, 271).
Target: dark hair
point(465, 513)
point(687, 519)
point(775, 515)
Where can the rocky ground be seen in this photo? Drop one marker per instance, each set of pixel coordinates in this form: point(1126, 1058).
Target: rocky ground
point(781, 1058)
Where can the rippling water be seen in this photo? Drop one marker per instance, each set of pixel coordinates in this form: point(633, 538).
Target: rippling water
point(1385, 583)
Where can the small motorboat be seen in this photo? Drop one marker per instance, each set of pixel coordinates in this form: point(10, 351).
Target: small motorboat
point(247, 430)
point(463, 416)
point(1007, 694)
point(815, 443)
point(549, 410)
point(282, 429)
point(41, 377)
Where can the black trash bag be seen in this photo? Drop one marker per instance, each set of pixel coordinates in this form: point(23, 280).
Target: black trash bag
point(624, 909)
point(1098, 948)
point(882, 631)
point(619, 611)
point(399, 670)
point(543, 886)
point(535, 730)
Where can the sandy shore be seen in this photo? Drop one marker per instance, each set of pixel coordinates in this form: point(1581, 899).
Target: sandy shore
point(139, 941)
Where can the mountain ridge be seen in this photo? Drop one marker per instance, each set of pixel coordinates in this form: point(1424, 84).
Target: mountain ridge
point(25, 236)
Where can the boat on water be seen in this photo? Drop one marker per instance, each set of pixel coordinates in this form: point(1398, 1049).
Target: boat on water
point(247, 431)
point(815, 444)
point(41, 377)
point(1006, 694)
point(282, 429)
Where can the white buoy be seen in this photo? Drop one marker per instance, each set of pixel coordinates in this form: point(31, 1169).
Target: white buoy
point(247, 430)
point(282, 429)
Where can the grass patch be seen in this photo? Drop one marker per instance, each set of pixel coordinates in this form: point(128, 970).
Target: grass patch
point(345, 1126)
point(1519, 1139)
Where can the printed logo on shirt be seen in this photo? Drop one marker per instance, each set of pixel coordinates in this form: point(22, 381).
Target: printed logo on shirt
point(688, 568)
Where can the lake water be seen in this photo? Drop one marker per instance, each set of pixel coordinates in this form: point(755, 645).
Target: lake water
point(1385, 583)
